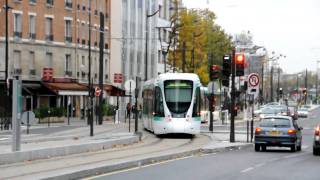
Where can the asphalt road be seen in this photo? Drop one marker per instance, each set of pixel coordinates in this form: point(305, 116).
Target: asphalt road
point(243, 164)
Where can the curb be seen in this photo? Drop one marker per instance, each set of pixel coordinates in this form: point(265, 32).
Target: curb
point(45, 153)
point(86, 172)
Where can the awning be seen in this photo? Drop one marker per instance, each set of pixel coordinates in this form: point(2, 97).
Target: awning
point(111, 89)
point(67, 88)
point(33, 87)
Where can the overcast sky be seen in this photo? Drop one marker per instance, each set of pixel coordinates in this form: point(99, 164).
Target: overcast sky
point(289, 27)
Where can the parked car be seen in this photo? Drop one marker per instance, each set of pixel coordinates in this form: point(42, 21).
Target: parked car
point(281, 131)
point(316, 141)
point(293, 112)
point(303, 112)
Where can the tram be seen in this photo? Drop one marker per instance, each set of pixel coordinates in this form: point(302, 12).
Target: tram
point(172, 104)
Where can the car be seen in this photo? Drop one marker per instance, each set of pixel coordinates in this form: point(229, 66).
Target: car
point(303, 112)
point(281, 131)
point(316, 141)
point(268, 111)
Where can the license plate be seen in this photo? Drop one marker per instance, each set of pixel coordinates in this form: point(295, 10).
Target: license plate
point(274, 133)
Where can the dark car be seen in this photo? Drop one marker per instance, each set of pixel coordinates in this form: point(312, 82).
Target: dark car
point(316, 141)
point(281, 131)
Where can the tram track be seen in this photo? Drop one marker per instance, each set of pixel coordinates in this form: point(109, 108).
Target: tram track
point(151, 146)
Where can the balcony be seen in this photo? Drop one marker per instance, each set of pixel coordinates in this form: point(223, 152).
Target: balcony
point(32, 35)
point(68, 73)
point(68, 5)
point(49, 37)
point(17, 34)
point(17, 71)
point(68, 39)
point(32, 72)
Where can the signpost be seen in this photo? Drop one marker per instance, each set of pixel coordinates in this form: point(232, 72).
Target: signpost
point(253, 89)
point(16, 114)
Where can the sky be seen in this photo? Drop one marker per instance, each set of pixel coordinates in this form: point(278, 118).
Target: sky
point(288, 27)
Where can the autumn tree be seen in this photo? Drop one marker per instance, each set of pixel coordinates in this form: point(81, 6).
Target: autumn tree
point(199, 42)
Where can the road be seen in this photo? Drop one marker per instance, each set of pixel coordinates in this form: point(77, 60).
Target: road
point(243, 164)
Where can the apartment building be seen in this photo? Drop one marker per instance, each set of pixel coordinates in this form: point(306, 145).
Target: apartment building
point(52, 37)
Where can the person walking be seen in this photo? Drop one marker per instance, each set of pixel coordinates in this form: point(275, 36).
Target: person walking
point(128, 110)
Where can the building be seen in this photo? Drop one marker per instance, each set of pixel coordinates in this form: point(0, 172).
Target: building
point(52, 36)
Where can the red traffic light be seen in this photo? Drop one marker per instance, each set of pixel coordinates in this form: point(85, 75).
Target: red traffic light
point(240, 58)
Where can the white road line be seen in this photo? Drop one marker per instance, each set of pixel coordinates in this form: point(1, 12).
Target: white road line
point(247, 170)
point(2, 139)
point(259, 165)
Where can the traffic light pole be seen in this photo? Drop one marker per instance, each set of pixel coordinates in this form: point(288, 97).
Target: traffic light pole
point(232, 135)
point(211, 103)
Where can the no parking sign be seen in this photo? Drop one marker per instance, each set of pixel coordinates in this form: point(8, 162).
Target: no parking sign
point(253, 84)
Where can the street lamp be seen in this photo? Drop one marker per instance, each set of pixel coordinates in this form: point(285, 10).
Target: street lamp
point(147, 39)
point(273, 59)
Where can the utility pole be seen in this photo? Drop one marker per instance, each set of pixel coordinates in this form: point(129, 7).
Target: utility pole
point(278, 92)
point(306, 87)
point(6, 87)
point(90, 113)
point(233, 93)
point(271, 84)
point(101, 68)
point(262, 80)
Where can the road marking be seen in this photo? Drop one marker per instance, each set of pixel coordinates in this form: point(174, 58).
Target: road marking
point(259, 165)
point(2, 139)
point(247, 170)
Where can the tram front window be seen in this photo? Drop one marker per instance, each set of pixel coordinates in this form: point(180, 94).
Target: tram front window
point(178, 95)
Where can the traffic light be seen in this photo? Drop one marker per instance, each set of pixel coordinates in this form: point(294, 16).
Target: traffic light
point(280, 92)
point(239, 61)
point(304, 91)
point(215, 72)
point(226, 70)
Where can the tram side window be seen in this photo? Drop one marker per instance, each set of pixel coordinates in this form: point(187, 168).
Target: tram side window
point(158, 103)
point(197, 104)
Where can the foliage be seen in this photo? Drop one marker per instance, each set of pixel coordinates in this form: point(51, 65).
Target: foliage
point(109, 110)
point(203, 42)
point(44, 112)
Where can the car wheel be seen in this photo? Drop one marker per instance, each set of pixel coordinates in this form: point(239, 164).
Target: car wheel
point(293, 148)
point(299, 148)
point(257, 147)
point(264, 148)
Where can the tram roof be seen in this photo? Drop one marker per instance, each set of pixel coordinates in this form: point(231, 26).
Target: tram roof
point(183, 76)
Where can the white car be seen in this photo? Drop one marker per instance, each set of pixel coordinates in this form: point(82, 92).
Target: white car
point(303, 112)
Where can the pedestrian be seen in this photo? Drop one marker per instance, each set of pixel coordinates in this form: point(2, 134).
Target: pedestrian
point(134, 111)
point(128, 110)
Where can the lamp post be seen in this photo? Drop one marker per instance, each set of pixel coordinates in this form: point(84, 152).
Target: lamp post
point(317, 81)
point(147, 40)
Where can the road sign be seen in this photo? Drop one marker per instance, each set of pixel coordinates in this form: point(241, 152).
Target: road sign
point(97, 91)
point(117, 78)
point(130, 85)
point(28, 117)
point(253, 84)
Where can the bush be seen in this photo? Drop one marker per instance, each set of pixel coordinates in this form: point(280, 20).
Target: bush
point(43, 112)
point(109, 110)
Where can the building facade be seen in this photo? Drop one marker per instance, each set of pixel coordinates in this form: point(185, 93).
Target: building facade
point(54, 35)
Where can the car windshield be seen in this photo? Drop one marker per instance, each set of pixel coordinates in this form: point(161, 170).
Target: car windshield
point(270, 111)
point(303, 109)
point(275, 122)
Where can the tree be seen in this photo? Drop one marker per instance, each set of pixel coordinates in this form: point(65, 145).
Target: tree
point(200, 42)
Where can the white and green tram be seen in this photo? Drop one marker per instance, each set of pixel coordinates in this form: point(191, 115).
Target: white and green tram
point(172, 104)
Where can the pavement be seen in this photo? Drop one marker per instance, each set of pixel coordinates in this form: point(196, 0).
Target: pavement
point(113, 148)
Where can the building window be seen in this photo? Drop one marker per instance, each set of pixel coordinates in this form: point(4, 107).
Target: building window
point(32, 26)
point(68, 70)
point(49, 2)
point(68, 3)
point(49, 59)
point(106, 68)
point(16, 59)
point(32, 1)
point(83, 61)
point(31, 63)
point(49, 31)
point(68, 31)
point(17, 29)
point(83, 33)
